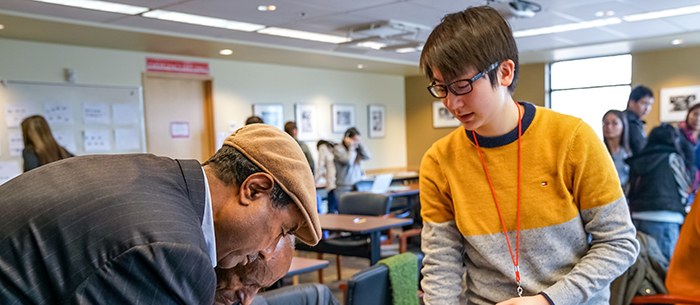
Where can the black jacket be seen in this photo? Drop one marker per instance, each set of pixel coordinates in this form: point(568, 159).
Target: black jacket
point(637, 136)
point(653, 186)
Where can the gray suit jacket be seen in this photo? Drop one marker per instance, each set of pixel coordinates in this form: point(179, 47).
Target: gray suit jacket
point(120, 229)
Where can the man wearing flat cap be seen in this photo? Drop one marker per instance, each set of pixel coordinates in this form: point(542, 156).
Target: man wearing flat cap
point(142, 229)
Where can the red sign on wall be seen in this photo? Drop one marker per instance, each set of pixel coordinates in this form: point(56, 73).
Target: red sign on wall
point(176, 66)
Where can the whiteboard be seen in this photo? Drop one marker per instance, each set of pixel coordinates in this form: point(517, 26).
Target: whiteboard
point(85, 119)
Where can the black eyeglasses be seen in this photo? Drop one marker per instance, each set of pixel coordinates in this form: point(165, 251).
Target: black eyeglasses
point(458, 87)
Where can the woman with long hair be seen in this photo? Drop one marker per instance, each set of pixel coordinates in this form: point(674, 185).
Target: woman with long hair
point(40, 147)
point(614, 135)
point(690, 129)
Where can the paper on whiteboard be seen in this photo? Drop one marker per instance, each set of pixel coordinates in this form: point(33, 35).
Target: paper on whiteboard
point(96, 140)
point(125, 114)
point(127, 139)
point(220, 138)
point(58, 113)
point(65, 138)
point(16, 143)
point(15, 113)
point(9, 170)
point(96, 113)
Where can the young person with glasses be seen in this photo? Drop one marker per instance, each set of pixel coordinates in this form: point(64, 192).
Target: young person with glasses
point(526, 198)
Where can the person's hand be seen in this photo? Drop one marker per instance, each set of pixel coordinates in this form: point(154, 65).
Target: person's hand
point(534, 300)
point(348, 141)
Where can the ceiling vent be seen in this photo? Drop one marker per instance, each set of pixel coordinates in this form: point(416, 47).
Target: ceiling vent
point(388, 35)
point(516, 8)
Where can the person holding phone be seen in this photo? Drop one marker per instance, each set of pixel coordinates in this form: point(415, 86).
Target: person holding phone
point(347, 156)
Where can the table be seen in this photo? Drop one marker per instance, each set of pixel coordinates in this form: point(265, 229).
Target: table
point(303, 265)
point(371, 225)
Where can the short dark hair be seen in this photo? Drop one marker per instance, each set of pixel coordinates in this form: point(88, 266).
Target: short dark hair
point(639, 92)
point(232, 168)
point(351, 132)
point(474, 38)
point(289, 127)
point(254, 120)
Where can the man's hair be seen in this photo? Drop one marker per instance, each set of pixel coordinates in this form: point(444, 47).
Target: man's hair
point(289, 127)
point(232, 168)
point(351, 132)
point(254, 120)
point(640, 92)
point(474, 38)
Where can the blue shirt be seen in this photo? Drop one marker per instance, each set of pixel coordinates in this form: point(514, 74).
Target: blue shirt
point(208, 222)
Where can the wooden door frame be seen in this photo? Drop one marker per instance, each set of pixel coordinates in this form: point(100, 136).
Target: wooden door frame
point(208, 100)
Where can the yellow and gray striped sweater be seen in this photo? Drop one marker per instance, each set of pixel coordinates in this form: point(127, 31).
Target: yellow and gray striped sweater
point(576, 232)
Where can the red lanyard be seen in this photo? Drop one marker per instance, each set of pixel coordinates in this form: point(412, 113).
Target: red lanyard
point(515, 257)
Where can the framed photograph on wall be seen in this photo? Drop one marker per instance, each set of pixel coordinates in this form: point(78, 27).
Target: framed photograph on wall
point(442, 117)
point(675, 102)
point(306, 119)
point(377, 121)
point(343, 117)
point(272, 114)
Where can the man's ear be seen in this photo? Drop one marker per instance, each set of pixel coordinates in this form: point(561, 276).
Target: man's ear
point(506, 73)
point(255, 186)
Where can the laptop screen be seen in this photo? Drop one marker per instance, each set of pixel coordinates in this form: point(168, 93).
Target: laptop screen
point(381, 183)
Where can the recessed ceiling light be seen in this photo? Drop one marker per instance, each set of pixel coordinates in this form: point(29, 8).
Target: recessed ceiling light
point(567, 27)
point(676, 42)
point(203, 20)
point(2, 26)
point(100, 6)
point(267, 8)
point(303, 35)
point(406, 50)
point(663, 14)
point(604, 13)
point(226, 52)
point(360, 66)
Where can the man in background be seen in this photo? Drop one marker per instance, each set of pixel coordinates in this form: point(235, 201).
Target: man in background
point(254, 120)
point(291, 129)
point(142, 229)
point(638, 106)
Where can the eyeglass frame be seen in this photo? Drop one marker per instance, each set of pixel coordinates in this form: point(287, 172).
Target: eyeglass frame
point(470, 80)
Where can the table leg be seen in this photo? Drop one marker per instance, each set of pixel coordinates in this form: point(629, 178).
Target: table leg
point(375, 248)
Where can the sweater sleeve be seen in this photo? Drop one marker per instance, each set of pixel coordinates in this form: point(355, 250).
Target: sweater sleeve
point(603, 207)
point(441, 239)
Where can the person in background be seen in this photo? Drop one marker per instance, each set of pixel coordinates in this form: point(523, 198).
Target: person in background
point(347, 156)
point(326, 171)
point(513, 176)
point(690, 129)
point(254, 120)
point(40, 147)
point(658, 188)
point(291, 129)
point(614, 135)
point(241, 283)
point(638, 106)
point(683, 278)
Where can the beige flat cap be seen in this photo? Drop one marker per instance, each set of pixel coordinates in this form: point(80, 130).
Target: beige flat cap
point(279, 155)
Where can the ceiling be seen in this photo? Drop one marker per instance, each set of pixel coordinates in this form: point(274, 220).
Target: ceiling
point(37, 21)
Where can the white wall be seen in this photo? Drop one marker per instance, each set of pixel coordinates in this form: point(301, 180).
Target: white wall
point(237, 85)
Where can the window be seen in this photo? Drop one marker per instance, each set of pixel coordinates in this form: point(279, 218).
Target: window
point(587, 88)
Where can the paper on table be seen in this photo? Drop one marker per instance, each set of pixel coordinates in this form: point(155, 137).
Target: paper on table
point(127, 139)
point(58, 113)
point(65, 138)
point(15, 113)
point(16, 143)
point(125, 114)
point(96, 140)
point(96, 113)
point(9, 170)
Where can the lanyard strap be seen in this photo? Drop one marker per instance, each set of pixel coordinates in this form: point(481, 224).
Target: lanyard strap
point(515, 257)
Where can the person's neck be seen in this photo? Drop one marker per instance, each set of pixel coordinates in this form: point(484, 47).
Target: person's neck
point(613, 144)
point(504, 120)
point(218, 190)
